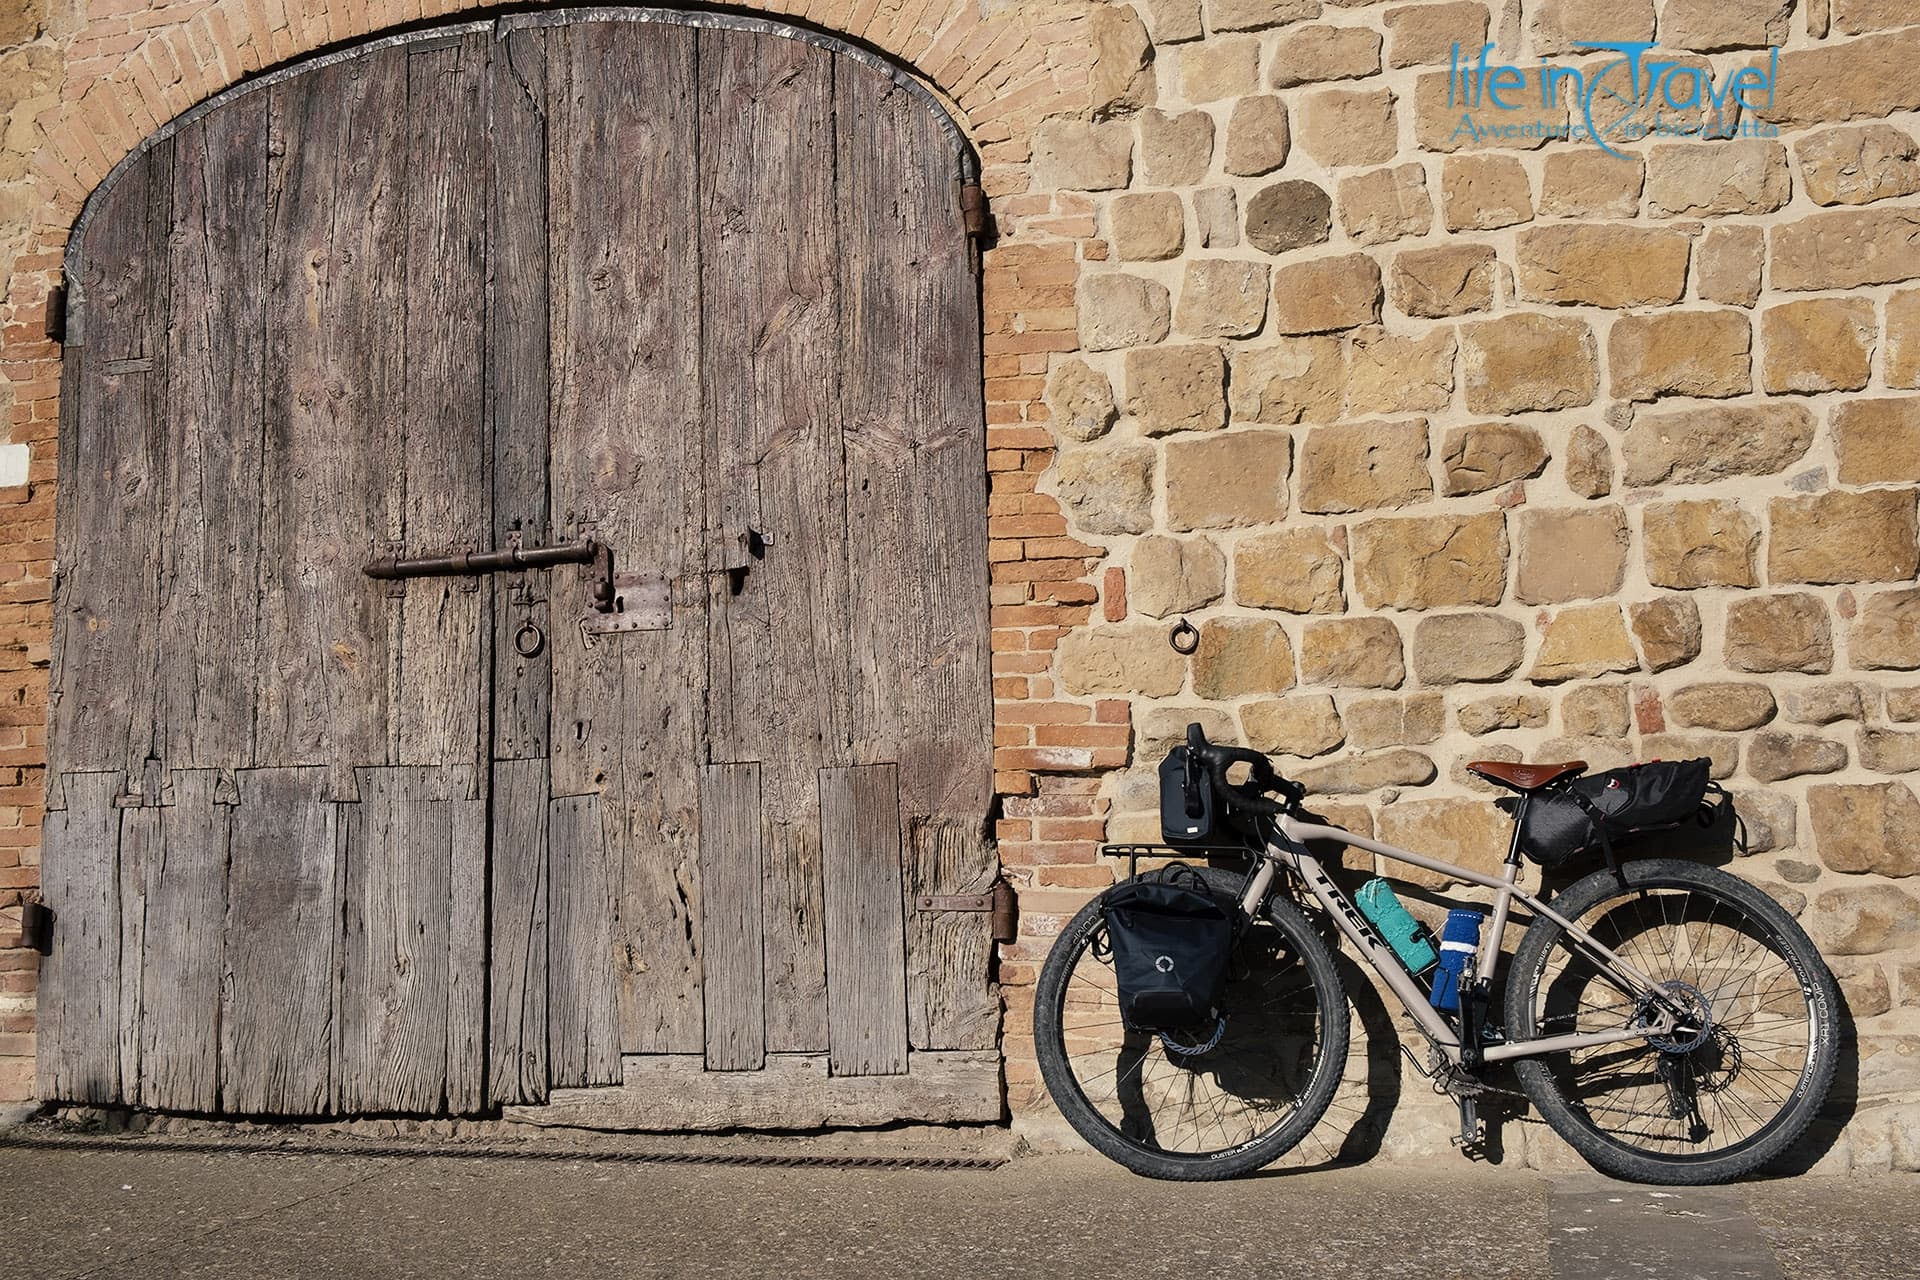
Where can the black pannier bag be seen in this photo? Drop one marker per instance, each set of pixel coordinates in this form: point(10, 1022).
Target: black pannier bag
point(1172, 943)
point(1559, 827)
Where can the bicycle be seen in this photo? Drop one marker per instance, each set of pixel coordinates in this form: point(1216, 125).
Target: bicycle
point(1667, 1019)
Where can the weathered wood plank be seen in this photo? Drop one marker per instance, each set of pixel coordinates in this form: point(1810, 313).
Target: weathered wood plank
point(281, 946)
point(778, 685)
point(950, 1002)
point(866, 979)
point(794, 1091)
point(467, 959)
point(730, 874)
point(517, 382)
point(208, 575)
point(141, 844)
point(517, 936)
point(79, 1015)
point(583, 1004)
point(336, 228)
point(626, 466)
point(183, 882)
point(439, 713)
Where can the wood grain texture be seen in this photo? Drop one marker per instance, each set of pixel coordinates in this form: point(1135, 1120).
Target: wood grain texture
point(794, 1091)
point(951, 1004)
point(777, 660)
point(626, 467)
point(517, 934)
point(281, 946)
point(583, 999)
point(734, 992)
point(79, 1014)
point(182, 886)
point(860, 858)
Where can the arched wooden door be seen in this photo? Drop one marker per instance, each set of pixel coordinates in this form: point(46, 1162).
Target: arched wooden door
point(694, 290)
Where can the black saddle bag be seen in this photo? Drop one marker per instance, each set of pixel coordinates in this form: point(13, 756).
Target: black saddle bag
point(1172, 944)
point(1584, 815)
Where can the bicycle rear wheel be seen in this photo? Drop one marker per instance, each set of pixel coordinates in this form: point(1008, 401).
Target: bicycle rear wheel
point(1210, 1113)
point(1715, 1100)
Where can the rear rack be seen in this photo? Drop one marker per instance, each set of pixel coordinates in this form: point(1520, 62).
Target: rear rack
point(1133, 852)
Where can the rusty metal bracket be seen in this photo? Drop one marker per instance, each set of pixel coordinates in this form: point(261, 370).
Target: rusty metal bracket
point(36, 925)
point(999, 902)
point(508, 559)
point(641, 602)
point(973, 209)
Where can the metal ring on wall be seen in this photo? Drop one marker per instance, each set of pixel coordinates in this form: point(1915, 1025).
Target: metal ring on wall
point(529, 640)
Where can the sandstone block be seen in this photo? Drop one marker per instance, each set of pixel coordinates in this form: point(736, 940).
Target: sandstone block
point(1240, 656)
point(1556, 25)
point(1864, 919)
point(1177, 388)
point(1706, 543)
point(1583, 642)
point(1174, 575)
point(1823, 703)
point(1871, 829)
point(1352, 652)
point(1574, 554)
point(1526, 361)
point(1787, 632)
point(1449, 648)
point(1387, 373)
point(1588, 183)
point(1878, 441)
point(1771, 821)
point(1326, 294)
point(1846, 248)
point(1886, 634)
point(1711, 25)
point(1844, 537)
point(1126, 659)
point(1119, 310)
point(1121, 78)
point(1357, 466)
point(1310, 55)
point(1298, 570)
point(1147, 227)
point(1223, 67)
point(1822, 344)
point(1727, 706)
point(1856, 16)
point(1305, 724)
point(1682, 353)
point(1696, 179)
point(1858, 164)
point(1385, 204)
point(1227, 481)
point(1079, 400)
point(1722, 750)
point(1903, 704)
point(1889, 750)
point(1589, 463)
point(1438, 123)
point(1727, 269)
point(1595, 711)
point(1396, 722)
point(1175, 21)
point(1291, 380)
point(1157, 729)
point(1175, 150)
point(1107, 489)
point(1222, 298)
point(1668, 630)
point(1599, 753)
point(1502, 711)
point(1076, 155)
point(1479, 193)
point(1469, 833)
point(1602, 265)
point(1349, 127)
point(1288, 215)
point(1422, 34)
point(1694, 446)
point(1487, 455)
point(1352, 775)
point(1856, 80)
point(1255, 15)
point(1257, 138)
point(1448, 281)
point(1430, 562)
point(1863, 985)
point(1216, 211)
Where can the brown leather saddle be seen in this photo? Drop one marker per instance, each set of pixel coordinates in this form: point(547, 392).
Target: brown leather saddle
point(1525, 777)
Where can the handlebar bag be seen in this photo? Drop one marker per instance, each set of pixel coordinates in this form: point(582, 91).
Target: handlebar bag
point(1171, 943)
point(1558, 826)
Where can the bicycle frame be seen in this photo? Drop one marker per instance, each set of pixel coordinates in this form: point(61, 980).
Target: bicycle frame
point(1290, 850)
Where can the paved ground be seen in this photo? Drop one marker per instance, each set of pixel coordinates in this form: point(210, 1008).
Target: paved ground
point(130, 1210)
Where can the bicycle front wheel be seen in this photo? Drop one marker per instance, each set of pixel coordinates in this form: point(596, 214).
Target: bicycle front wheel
point(1194, 1111)
point(1736, 1083)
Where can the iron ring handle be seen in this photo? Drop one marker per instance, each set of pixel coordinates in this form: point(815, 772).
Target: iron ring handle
point(529, 640)
point(1185, 637)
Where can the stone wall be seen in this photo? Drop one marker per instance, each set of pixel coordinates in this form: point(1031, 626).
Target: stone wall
point(1451, 447)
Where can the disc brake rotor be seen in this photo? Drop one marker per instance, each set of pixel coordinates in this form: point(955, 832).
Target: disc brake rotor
point(1691, 1030)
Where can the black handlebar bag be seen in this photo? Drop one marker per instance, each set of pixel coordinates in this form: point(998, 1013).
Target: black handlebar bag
point(1566, 822)
point(1172, 943)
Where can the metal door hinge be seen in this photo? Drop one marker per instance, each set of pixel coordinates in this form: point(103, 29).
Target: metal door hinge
point(56, 321)
point(973, 209)
point(36, 925)
point(999, 902)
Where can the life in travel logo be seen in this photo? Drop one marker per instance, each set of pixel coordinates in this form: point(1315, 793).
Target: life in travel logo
point(1625, 93)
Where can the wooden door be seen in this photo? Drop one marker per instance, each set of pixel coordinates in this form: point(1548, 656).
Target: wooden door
point(319, 843)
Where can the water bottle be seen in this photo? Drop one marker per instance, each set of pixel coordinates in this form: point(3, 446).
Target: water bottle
point(1459, 939)
point(1396, 924)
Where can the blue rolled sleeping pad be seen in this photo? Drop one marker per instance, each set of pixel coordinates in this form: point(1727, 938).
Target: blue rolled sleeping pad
point(1459, 939)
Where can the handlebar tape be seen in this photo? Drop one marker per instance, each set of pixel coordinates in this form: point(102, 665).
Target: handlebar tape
point(1219, 759)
